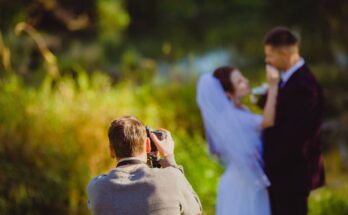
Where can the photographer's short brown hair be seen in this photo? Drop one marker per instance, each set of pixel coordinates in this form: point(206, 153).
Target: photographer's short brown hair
point(127, 136)
point(281, 36)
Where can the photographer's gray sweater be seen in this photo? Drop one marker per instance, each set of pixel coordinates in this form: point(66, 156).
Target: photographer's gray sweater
point(138, 189)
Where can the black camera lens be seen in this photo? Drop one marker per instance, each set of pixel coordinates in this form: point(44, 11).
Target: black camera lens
point(153, 156)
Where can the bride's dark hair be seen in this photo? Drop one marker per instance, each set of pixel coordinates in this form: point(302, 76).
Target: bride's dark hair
point(223, 74)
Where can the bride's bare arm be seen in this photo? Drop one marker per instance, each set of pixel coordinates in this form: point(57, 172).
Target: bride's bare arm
point(270, 107)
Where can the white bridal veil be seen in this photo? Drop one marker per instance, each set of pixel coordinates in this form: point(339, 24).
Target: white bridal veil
point(226, 133)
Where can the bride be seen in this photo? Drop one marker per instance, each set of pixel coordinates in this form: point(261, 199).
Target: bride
point(234, 135)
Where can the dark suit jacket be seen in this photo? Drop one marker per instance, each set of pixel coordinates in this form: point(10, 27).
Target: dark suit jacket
point(292, 148)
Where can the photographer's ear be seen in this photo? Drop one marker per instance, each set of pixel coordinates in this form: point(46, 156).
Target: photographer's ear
point(112, 152)
point(148, 145)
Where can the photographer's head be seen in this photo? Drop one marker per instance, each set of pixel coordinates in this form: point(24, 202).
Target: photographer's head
point(281, 48)
point(127, 138)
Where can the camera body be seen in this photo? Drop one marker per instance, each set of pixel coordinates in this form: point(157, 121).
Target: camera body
point(153, 156)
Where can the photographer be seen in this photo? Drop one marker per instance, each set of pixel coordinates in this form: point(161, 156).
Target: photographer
point(135, 188)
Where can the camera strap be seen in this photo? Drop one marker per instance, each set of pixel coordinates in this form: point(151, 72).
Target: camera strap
point(127, 162)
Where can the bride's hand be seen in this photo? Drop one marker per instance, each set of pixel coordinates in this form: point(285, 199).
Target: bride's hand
point(272, 75)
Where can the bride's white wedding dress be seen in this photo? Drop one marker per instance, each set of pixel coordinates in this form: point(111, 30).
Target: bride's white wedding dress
point(233, 135)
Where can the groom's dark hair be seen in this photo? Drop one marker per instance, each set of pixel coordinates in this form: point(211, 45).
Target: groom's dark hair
point(223, 74)
point(281, 36)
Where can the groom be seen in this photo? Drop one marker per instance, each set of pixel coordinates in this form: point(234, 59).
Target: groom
point(292, 151)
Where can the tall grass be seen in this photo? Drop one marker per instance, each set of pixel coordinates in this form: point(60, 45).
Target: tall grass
point(53, 140)
point(329, 201)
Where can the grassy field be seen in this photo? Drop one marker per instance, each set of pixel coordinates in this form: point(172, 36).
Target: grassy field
point(53, 140)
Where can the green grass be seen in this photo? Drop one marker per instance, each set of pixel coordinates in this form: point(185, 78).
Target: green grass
point(53, 140)
point(329, 201)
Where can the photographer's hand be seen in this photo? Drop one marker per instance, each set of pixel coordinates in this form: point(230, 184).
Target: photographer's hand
point(190, 203)
point(165, 146)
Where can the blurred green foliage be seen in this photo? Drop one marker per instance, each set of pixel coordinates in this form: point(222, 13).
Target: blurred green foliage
point(54, 140)
point(329, 201)
point(95, 33)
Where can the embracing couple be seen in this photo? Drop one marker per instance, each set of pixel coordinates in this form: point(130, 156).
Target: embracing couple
point(273, 160)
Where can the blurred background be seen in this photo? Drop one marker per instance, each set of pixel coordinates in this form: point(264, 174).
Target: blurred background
point(69, 67)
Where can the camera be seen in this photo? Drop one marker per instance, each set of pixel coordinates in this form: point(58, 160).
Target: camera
point(153, 156)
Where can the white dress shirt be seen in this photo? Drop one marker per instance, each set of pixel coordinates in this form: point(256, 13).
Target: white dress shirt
point(285, 75)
